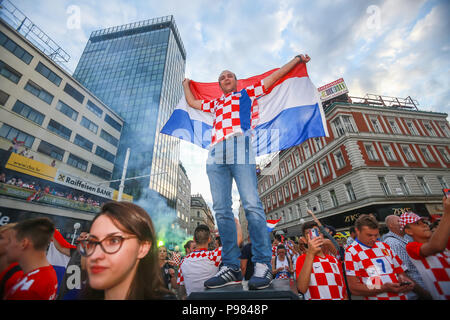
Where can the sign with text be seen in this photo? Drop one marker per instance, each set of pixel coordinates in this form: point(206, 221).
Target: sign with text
point(31, 167)
point(332, 90)
point(81, 184)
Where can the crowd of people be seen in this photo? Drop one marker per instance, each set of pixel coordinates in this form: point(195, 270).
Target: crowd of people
point(119, 259)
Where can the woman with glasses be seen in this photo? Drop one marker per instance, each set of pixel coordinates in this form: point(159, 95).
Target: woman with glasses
point(122, 256)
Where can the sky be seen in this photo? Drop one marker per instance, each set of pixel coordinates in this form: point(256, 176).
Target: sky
point(395, 48)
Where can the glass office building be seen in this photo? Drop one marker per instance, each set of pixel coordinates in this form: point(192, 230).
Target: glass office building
point(137, 70)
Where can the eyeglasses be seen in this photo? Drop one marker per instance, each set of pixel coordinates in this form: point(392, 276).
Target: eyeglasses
point(109, 245)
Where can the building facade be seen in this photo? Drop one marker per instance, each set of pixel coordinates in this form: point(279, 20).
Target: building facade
point(378, 159)
point(200, 214)
point(137, 69)
point(183, 198)
point(51, 127)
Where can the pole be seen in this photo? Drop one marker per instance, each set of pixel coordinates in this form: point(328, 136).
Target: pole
point(124, 173)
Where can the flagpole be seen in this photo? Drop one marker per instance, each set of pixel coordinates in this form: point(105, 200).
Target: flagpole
point(124, 172)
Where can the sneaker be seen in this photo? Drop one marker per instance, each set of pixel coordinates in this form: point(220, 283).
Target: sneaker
point(262, 277)
point(225, 277)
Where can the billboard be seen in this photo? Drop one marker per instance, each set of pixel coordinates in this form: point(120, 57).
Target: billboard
point(332, 90)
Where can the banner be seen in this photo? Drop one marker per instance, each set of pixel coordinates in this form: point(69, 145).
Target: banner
point(332, 90)
point(31, 167)
point(81, 184)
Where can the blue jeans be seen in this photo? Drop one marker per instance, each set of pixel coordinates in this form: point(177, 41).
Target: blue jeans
point(234, 158)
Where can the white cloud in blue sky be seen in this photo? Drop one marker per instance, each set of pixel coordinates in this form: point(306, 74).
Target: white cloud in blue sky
point(396, 48)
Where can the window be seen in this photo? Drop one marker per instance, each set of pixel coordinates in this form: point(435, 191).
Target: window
point(294, 186)
point(68, 111)
point(444, 127)
point(339, 160)
point(427, 154)
point(430, 129)
point(77, 162)
point(371, 153)
point(10, 133)
point(50, 75)
point(444, 154)
point(289, 165)
point(376, 125)
point(307, 151)
point(338, 127)
point(83, 142)
point(409, 155)
point(96, 110)
point(59, 129)
point(28, 112)
point(100, 172)
point(389, 153)
point(394, 127)
point(442, 181)
point(348, 125)
point(302, 181)
point(280, 195)
point(298, 210)
point(51, 150)
point(283, 172)
point(3, 97)
point(85, 122)
point(412, 128)
point(297, 158)
point(39, 92)
point(423, 184)
point(350, 192)
point(109, 138)
point(269, 202)
point(113, 123)
point(286, 191)
point(9, 72)
point(318, 143)
point(74, 93)
point(274, 199)
point(15, 49)
point(308, 204)
point(403, 185)
point(334, 199)
point(320, 203)
point(312, 173)
point(384, 185)
point(325, 168)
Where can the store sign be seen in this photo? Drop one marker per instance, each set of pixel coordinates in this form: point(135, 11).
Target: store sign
point(81, 184)
point(332, 90)
point(31, 167)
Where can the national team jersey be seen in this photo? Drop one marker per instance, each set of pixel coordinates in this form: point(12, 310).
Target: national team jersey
point(235, 112)
point(434, 270)
point(38, 284)
point(197, 267)
point(327, 279)
point(374, 267)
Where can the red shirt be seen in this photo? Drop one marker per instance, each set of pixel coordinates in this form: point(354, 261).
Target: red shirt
point(12, 279)
point(38, 284)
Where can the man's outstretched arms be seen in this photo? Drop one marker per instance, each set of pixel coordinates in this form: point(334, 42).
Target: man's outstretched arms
point(280, 73)
point(190, 99)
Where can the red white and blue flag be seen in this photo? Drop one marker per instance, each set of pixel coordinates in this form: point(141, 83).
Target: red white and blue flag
point(57, 259)
point(271, 224)
point(289, 114)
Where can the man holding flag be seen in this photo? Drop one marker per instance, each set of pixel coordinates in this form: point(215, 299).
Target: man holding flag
point(231, 155)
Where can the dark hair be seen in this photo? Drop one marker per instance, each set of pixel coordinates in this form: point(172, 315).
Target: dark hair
point(280, 247)
point(278, 237)
point(332, 230)
point(308, 225)
point(202, 234)
point(38, 230)
point(188, 244)
point(367, 220)
point(218, 239)
point(352, 229)
point(130, 218)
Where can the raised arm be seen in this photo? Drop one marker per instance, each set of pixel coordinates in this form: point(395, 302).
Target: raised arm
point(194, 103)
point(280, 73)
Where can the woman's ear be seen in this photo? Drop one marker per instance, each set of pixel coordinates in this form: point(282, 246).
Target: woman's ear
point(144, 249)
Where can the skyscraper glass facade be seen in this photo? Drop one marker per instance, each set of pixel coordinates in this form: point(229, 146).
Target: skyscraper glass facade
point(137, 70)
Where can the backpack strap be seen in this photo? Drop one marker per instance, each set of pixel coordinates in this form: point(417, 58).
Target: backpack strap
point(7, 276)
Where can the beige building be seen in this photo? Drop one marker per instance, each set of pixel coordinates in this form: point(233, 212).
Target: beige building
point(200, 214)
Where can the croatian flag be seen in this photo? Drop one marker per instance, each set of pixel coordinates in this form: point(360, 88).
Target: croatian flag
point(289, 114)
point(271, 224)
point(57, 259)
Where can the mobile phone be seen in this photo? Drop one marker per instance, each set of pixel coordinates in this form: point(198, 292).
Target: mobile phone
point(405, 283)
point(446, 192)
point(313, 233)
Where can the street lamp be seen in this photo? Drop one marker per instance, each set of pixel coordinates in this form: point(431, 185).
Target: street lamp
point(76, 226)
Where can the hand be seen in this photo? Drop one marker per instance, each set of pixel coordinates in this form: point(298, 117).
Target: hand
point(314, 245)
point(186, 82)
point(446, 205)
point(304, 58)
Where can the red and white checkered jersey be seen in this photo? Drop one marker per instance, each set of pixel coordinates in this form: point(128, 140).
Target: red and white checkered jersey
point(176, 257)
point(434, 270)
point(374, 267)
point(197, 267)
point(227, 111)
point(327, 279)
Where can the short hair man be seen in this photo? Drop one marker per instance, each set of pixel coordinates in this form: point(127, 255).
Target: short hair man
point(430, 251)
point(232, 131)
point(28, 247)
point(397, 240)
point(319, 276)
point(373, 270)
